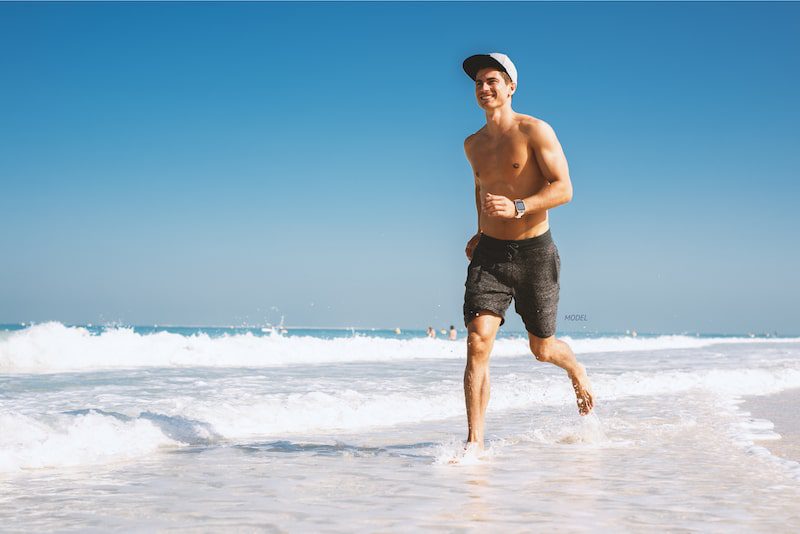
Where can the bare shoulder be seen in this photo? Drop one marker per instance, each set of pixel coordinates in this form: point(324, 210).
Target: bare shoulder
point(472, 140)
point(536, 129)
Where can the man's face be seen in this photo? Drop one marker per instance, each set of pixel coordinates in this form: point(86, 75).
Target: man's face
point(491, 89)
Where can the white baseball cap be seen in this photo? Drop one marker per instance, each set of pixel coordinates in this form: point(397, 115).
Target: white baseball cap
point(494, 59)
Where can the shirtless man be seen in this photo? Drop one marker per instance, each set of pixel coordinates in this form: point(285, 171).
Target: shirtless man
point(520, 172)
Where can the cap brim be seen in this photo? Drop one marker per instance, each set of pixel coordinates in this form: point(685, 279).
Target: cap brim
point(480, 61)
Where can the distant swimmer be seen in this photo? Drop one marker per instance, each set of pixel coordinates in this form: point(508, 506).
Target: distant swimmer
point(453, 333)
point(520, 172)
point(431, 332)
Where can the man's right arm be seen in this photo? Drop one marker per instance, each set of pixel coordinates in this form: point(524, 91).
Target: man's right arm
point(477, 185)
point(473, 242)
point(478, 203)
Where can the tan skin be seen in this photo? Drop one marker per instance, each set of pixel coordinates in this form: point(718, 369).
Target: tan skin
point(514, 156)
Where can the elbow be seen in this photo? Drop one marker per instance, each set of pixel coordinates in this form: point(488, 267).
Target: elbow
point(567, 198)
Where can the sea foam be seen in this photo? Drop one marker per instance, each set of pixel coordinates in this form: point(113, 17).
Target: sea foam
point(68, 440)
point(54, 347)
point(85, 436)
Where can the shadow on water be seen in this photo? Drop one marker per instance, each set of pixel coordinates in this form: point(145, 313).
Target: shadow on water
point(182, 429)
point(413, 450)
point(201, 436)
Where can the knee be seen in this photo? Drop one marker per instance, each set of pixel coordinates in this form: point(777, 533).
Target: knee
point(542, 350)
point(479, 345)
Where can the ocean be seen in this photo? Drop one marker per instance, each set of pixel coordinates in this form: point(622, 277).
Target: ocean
point(350, 430)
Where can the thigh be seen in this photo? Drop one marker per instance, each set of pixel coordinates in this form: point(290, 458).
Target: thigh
point(537, 288)
point(486, 290)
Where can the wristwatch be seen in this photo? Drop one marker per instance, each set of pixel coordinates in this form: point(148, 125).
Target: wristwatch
point(520, 207)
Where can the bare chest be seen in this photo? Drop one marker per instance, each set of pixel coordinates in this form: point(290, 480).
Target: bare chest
point(507, 165)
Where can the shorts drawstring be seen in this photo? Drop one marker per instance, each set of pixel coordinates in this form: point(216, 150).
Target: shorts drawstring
point(512, 249)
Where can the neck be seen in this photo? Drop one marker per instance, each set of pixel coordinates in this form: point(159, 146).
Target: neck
point(499, 120)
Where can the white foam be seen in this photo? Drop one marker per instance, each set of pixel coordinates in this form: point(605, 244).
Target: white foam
point(758, 429)
point(319, 411)
point(673, 341)
point(54, 347)
point(457, 453)
point(74, 440)
point(86, 437)
point(745, 431)
point(722, 382)
point(247, 415)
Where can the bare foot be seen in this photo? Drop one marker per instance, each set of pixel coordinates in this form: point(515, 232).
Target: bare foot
point(583, 390)
point(473, 446)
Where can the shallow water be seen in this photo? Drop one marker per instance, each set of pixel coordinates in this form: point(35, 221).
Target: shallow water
point(374, 442)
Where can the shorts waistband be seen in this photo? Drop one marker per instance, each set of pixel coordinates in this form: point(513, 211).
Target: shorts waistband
point(519, 244)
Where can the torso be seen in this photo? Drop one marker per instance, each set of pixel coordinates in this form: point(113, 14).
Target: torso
point(507, 166)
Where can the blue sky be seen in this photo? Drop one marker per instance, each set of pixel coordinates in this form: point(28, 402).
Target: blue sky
point(205, 163)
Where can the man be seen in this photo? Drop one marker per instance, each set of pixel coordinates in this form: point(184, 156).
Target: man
point(520, 173)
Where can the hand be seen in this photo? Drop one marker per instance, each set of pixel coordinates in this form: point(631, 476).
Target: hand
point(499, 206)
point(471, 244)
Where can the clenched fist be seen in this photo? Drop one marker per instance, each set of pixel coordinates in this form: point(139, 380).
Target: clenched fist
point(498, 206)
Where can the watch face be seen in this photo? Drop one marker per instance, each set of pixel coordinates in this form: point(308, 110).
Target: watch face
point(520, 205)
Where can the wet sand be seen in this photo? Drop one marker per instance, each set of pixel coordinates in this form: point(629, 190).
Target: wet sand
point(782, 410)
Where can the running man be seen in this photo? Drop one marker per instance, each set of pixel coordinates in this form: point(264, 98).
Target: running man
point(520, 173)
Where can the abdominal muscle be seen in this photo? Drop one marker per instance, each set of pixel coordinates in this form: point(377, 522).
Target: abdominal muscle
point(529, 225)
point(507, 166)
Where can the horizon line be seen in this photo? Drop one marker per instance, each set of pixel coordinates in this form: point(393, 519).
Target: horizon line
point(773, 334)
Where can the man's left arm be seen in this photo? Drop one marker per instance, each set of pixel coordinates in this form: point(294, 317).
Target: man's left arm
point(553, 164)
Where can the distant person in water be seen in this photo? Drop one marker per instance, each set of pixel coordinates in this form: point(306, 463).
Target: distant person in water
point(431, 332)
point(520, 172)
point(453, 333)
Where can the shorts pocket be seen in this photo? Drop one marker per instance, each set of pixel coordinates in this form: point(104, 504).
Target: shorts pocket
point(473, 274)
point(556, 267)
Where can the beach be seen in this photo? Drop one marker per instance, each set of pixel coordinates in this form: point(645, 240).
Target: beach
point(150, 429)
point(779, 414)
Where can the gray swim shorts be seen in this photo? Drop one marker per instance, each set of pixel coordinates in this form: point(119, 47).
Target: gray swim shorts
point(526, 270)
